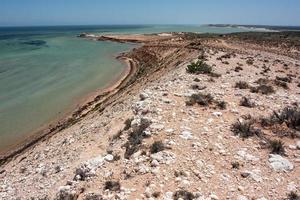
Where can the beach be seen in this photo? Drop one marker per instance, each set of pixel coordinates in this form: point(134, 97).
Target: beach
point(185, 148)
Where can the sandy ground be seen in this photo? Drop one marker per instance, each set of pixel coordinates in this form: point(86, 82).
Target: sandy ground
point(199, 156)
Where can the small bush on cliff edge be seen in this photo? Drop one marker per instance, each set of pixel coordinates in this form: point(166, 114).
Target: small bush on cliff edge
point(199, 67)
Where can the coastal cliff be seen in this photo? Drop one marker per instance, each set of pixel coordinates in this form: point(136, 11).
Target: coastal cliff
point(196, 117)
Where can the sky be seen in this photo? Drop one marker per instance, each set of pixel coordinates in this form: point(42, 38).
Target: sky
point(100, 12)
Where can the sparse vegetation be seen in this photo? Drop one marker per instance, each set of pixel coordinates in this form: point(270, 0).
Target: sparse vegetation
point(284, 79)
point(157, 147)
point(242, 85)
point(156, 194)
point(290, 116)
point(135, 139)
point(263, 89)
point(235, 165)
point(197, 87)
point(293, 196)
point(221, 104)
point(128, 124)
point(185, 195)
point(201, 99)
point(112, 186)
point(199, 67)
point(238, 69)
point(226, 56)
point(246, 102)
point(285, 122)
point(250, 62)
point(277, 147)
point(281, 84)
point(245, 129)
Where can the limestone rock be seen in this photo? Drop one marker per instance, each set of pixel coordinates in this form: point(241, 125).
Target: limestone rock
point(278, 163)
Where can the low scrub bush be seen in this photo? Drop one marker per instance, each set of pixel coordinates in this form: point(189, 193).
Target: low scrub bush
point(184, 195)
point(247, 103)
point(157, 147)
point(245, 129)
point(199, 67)
point(112, 186)
point(242, 85)
point(221, 104)
point(281, 84)
point(284, 79)
point(293, 196)
point(250, 62)
point(238, 69)
point(135, 139)
point(290, 116)
point(128, 124)
point(201, 99)
point(263, 89)
point(277, 147)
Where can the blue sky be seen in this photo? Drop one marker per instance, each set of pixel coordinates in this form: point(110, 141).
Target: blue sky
point(90, 12)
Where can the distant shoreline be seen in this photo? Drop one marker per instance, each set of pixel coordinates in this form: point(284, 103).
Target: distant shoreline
point(258, 27)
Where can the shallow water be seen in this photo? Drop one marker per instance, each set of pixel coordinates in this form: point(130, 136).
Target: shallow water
point(44, 70)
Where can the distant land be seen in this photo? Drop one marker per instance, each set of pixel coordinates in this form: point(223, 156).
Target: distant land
point(268, 27)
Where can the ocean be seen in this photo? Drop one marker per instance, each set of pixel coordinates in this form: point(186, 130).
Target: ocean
point(44, 71)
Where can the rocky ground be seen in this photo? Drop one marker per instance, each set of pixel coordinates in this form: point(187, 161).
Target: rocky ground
point(178, 134)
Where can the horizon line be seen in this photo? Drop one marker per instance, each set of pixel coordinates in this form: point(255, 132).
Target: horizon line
point(146, 24)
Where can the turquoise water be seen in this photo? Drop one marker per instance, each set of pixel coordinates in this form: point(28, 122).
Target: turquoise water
point(44, 70)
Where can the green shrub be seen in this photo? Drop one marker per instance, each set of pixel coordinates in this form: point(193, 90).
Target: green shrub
point(277, 147)
point(199, 67)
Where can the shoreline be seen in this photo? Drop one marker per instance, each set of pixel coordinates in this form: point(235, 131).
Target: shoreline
point(72, 115)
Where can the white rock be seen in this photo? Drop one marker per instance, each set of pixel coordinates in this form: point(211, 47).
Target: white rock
point(154, 163)
point(109, 157)
point(187, 135)
point(241, 197)
point(214, 197)
point(246, 156)
point(292, 187)
point(164, 157)
point(170, 130)
point(165, 100)
point(278, 163)
point(168, 196)
point(217, 114)
point(292, 147)
point(88, 168)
